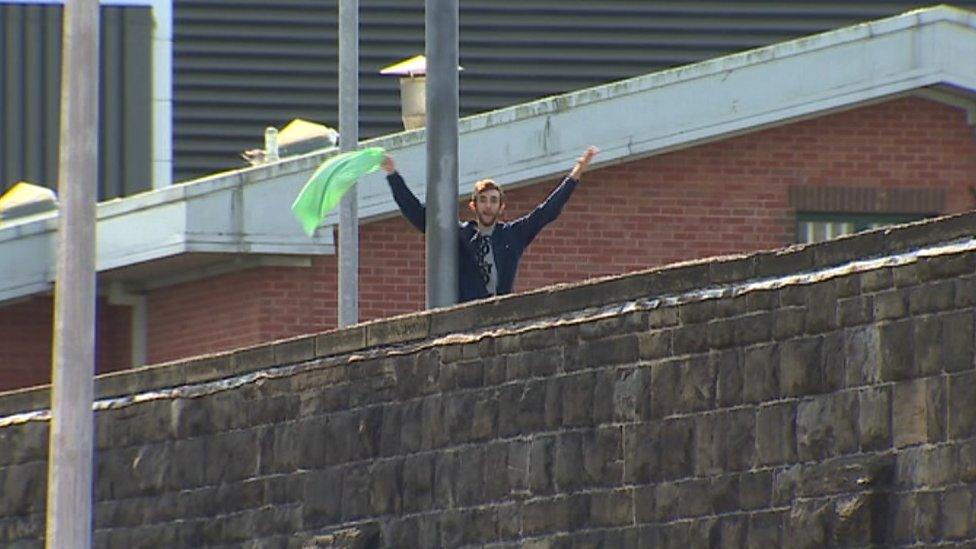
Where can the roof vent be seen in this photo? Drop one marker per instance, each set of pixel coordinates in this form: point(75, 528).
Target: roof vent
point(413, 90)
point(25, 199)
point(297, 137)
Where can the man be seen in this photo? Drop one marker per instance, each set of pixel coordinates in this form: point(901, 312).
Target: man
point(489, 249)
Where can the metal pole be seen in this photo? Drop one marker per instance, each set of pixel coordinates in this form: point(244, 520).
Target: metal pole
point(69, 498)
point(348, 141)
point(441, 50)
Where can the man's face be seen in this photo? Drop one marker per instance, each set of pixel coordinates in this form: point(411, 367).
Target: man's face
point(488, 207)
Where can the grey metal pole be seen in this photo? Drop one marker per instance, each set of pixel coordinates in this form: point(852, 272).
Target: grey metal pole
point(441, 50)
point(349, 141)
point(69, 497)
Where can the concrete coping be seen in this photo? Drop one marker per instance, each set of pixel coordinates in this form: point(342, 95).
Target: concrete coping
point(541, 303)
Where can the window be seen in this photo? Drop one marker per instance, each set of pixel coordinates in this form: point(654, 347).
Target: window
point(820, 226)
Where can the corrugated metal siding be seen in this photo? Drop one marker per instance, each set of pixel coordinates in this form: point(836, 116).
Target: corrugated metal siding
point(242, 65)
point(30, 97)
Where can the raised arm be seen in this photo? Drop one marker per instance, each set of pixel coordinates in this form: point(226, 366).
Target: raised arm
point(409, 205)
point(547, 212)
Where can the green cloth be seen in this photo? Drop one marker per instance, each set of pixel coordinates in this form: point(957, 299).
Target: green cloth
point(324, 190)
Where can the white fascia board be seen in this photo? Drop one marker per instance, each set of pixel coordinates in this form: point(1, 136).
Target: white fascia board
point(241, 212)
point(698, 103)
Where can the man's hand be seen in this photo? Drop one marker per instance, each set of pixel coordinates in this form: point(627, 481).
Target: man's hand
point(387, 164)
point(583, 162)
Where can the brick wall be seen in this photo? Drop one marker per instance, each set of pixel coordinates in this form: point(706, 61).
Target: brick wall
point(803, 401)
point(25, 341)
point(726, 197)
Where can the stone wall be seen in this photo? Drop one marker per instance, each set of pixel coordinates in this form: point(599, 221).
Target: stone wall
point(823, 395)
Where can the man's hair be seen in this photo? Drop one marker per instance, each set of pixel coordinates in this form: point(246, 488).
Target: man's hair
point(487, 185)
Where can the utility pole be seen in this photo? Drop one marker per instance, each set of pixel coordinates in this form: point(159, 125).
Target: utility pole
point(349, 141)
point(70, 459)
point(441, 51)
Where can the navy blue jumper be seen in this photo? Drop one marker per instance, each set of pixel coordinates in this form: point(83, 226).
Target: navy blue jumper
point(508, 239)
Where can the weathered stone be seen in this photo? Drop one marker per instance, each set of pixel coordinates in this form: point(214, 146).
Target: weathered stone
point(677, 443)
point(855, 311)
point(834, 361)
point(753, 328)
point(577, 399)
point(541, 465)
point(418, 482)
point(664, 378)
point(825, 426)
point(615, 508)
point(555, 514)
point(936, 296)
point(959, 508)
point(957, 347)
point(821, 307)
point(919, 412)
point(800, 366)
point(686, 340)
point(776, 433)
point(471, 476)
point(632, 394)
point(609, 351)
point(862, 352)
point(642, 452)
point(761, 373)
point(729, 368)
point(765, 529)
point(928, 345)
point(807, 526)
point(961, 404)
point(897, 351)
point(696, 385)
point(654, 345)
point(788, 322)
point(874, 418)
point(890, 305)
point(755, 489)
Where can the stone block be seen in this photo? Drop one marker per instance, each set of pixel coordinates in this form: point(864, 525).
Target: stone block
point(776, 433)
point(753, 328)
point(677, 444)
point(720, 333)
point(577, 399)
point(834, 361)
point(825, 426)
point(788, 322)
point(322, 497)
point(859, 520)
point(292, 351)
point(874, 418)
point(724, 492)
point(645, 506)
point(631, 394)
point(603, 456)
point(821, 307)
point(496, 471)
point(918, 414)
point(724, 441)
point(729, 368)
point(664, 378)
point(231, 456)
point(959, 509)
point(965, 291)
point(608, 351)
point(808, 524)
point(755, 489)
point(613, 508)
point(445, 479)
point(471, 475)
point(801, 366)
point(605, 380)
point(355, 491)
point(696, 312)
point(569, 471)
point(765, 529)
point(418, 482)
point(542, 452)
point(760, 373)
point(897, 351)
point(696, 385)
point(957, 346)
point(340, 341)
point(926, 467)
point(732, 532)
point(961, 404)
point(397, 330)
point(862, 352)
point(931, 297)
point(687, 340)
point(928, 343)
point(654, 344)
point(642, 452)
point(560, 514)
point(890, 305)
point(662, 317)
point(855, 311)
point(876, 280)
